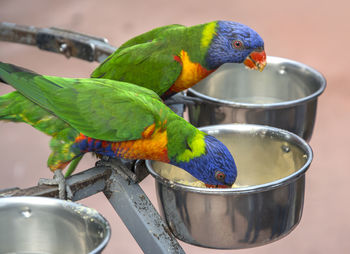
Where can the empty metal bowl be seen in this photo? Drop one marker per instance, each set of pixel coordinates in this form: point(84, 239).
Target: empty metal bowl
point(284, 95)
point(266, 203)
point(46, 225)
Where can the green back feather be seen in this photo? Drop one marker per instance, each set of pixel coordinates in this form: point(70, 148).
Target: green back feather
point(148, 36)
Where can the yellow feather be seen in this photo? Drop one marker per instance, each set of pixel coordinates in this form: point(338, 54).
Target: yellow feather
point(197, 146)
point(208, 33)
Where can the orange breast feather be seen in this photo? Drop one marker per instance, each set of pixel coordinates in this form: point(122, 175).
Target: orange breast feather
point(152, 145)
point(191, 73)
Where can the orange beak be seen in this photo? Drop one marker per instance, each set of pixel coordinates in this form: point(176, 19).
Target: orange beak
point(256, 60)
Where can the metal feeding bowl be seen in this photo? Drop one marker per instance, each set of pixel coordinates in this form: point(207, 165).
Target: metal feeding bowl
point(265, 204)
point(284, 95)
point(46, 225)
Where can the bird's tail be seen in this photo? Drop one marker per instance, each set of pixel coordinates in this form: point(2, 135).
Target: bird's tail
point(7, 108)
point(7, 69)
point(15, 107)
point(26, 82)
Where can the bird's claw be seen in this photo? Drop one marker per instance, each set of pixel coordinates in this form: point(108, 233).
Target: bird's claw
point(103, 162)
point(64, 190)
point(125, 167)
point(182, 99)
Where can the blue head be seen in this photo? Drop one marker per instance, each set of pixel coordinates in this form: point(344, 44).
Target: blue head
point(236, 43)
point(216, 168)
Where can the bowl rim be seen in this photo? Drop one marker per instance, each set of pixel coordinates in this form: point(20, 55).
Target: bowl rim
point(33, 200)
point(243, 190)
point(270, 59)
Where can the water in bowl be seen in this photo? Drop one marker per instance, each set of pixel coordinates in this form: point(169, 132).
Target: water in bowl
point(257, 100)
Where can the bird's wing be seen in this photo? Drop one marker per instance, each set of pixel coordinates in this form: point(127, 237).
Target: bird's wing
point(98, 108)
point(151, 65)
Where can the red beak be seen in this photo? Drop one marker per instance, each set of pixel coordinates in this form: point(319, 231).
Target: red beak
point(256, 60)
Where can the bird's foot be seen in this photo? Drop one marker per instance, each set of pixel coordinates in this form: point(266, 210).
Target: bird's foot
point(125, 167)
point(183, 99)
point(103, 162)
point(64, 191)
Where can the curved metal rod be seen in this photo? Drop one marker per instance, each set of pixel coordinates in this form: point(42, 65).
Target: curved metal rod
point(68, 43)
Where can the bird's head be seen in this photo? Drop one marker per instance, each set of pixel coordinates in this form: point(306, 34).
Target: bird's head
point(236, 43)
point(216, 167)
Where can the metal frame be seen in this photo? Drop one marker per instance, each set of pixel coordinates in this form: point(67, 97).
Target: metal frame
point(112, 176)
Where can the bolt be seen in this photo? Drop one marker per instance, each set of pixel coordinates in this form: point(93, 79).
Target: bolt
point(65, 49)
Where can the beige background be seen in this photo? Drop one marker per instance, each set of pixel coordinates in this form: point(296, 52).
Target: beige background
point(316, 33)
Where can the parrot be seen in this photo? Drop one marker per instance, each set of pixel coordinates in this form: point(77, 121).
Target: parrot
point(172, 58)
point(167, 60)
point(111, 118)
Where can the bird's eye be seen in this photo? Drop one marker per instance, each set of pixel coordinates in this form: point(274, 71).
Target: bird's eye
point(237, 44)
point(220, 176)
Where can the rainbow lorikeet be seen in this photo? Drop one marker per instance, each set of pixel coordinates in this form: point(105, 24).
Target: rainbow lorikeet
point(172, 58)
point(166, 60)
point(112, 118)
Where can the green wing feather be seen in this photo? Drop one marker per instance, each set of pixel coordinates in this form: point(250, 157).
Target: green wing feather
point(149, 64)
point(148, 36)
point(97, 108)
point(104, 111)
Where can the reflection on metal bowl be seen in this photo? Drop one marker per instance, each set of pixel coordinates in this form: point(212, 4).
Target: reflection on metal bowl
point(284, 95)
point(266, 203)
point(47, 225)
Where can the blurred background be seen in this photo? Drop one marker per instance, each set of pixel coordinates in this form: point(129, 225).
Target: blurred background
point(315, 33)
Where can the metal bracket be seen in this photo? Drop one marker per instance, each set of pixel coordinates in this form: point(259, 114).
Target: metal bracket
point(140, 217)
point(134, 170)
point(83, 184)
point(68, 43)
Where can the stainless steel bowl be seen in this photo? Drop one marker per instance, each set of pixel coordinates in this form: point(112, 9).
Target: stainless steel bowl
point(45, 225)
point(266, 206)
point(284, 95)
